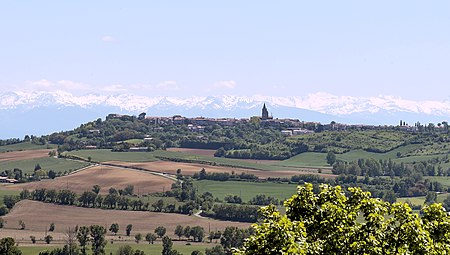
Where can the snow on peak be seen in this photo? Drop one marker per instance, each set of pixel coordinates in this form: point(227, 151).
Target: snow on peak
point(320, 102)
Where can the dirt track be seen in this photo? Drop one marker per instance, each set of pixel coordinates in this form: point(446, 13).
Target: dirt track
point(38, 216)
point(104, 176)
point(20, 155)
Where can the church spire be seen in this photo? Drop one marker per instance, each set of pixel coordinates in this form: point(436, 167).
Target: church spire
point(265, 113)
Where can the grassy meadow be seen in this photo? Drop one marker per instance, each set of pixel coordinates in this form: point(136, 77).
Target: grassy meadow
point(103, 155)
point(246, 190)
point(25, 146)
point(48, 163)
point(149, 249)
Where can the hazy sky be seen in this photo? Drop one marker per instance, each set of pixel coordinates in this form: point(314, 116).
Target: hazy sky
point(185, 48)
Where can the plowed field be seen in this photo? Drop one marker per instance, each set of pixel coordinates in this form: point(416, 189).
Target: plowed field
point(20, 155)
point(104, 176)
point(38, 216)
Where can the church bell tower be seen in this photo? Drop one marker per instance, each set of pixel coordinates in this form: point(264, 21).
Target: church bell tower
point(265, 113)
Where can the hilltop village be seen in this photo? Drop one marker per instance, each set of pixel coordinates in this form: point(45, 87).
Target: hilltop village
point(287, 126)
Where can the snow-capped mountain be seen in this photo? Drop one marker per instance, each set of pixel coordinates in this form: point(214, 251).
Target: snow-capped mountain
point(28, 112)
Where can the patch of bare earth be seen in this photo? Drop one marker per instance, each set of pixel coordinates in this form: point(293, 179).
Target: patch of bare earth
point(20, 155)
point(191, 168)
point(106, 177)
point(38, 216)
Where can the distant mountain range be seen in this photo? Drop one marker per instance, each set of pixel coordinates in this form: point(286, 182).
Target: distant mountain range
point(46, 112)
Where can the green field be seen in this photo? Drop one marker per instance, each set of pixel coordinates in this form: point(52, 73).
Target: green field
point(103, 155)
point(25, 146)
point(149, 249)
point(246, 190)
point(421, 200)
point(444, 180)
point(307, 159)
point(344, 141)
point(134, 141)
point(55, 164)
point(107, 155)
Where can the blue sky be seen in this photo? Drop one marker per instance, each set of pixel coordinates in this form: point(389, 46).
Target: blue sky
point(186, 48)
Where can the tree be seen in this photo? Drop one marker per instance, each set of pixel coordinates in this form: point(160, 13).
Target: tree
point(114, 228)
point(33, 239)
point(10, 201)
point(52, 227)
point(83, 238)
point(2, 222)
point(138, 237)
point(150, 238)
point(48, 239)
point(160, 231)
point(3, 211)
point(233, 237)
point(128, 250)
point(331, 158)
point(196, 252)
point(446, 203)
point(8, 247)
point(22, 225)
point(128, 229)
point(25, 194)
point(98, 239)
point(187, 232)
point(125, 250)
point(70, 237)
point(390, 197)
point(96, 189)
point(51, 174)
point(167, 246)
point(129, 190)
point(197, 233)
point(431, 197)
point(179, 231)
point(216, 250)
point(327, 223)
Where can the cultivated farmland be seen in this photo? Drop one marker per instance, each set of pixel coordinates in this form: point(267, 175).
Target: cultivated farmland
point(104, 176)
point(191, 168)
point(20, 155)
point(38, 216)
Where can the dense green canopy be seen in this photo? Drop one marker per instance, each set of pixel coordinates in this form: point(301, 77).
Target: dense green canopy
point(331, 222)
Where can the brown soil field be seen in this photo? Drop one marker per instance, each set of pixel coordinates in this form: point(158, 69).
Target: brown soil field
point(191, 168)
point(104, 176)
point(19, 155)
point(201, 152)
point(38, 216)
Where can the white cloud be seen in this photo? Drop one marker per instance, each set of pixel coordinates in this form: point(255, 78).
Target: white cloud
point(107, 38)
point(115, 88)
point(62, 85)
point(224, 85)
point(160, 87)
point(71, 85)
point(169, 85)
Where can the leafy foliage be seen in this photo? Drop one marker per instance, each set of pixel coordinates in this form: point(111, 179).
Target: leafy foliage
point(327, 223)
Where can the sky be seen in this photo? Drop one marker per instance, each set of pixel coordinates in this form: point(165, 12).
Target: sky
point(199, 48)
